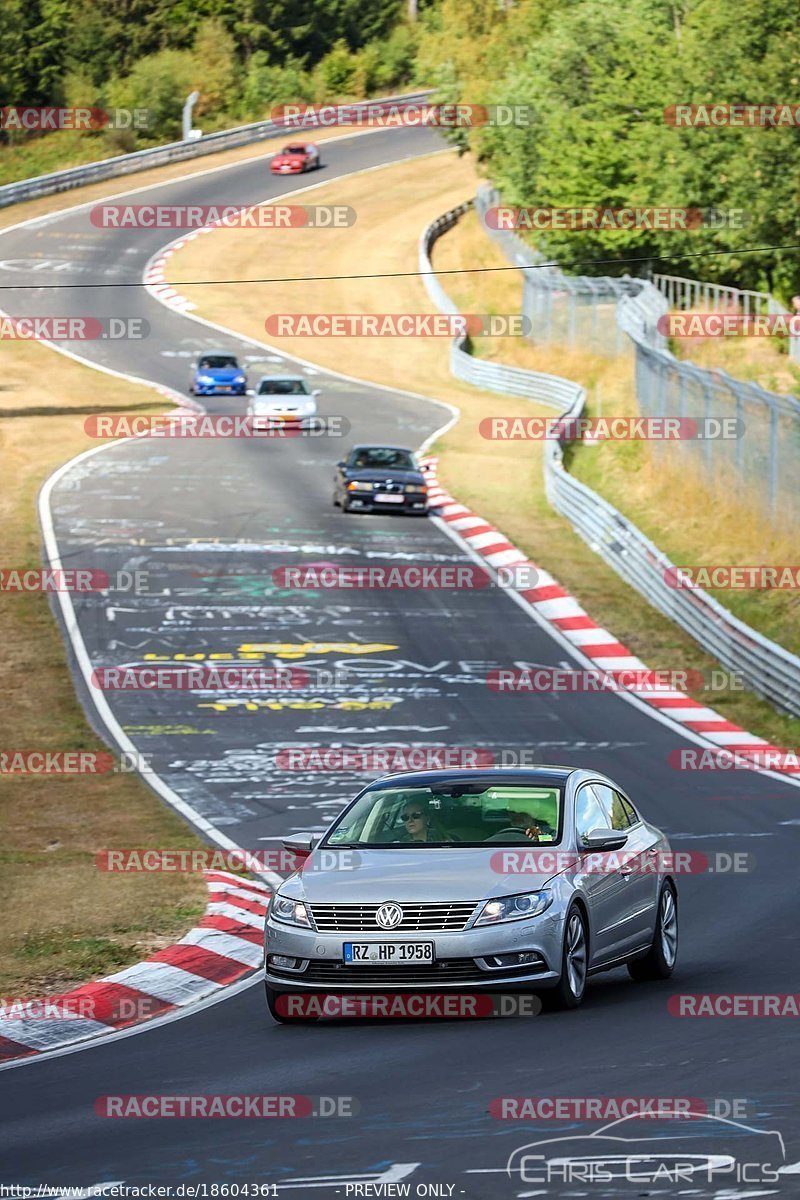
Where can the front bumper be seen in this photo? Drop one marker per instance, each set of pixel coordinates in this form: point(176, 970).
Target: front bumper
point(363, 502)
point(220, 389)
point(286, 169)
point(463, 961)
point(277, 420)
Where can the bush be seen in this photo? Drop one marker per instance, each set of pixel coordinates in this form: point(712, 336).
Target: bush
point(335, 75)
point(217, 75)
point(160, 84)
point(266, 86)
point(396, 56)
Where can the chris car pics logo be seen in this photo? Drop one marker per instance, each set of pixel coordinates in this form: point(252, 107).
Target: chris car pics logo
point(717, 1152)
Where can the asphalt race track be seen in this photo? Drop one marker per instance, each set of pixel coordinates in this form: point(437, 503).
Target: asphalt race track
point(210, 521)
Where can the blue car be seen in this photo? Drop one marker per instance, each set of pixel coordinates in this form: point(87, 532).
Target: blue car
point(215, 373)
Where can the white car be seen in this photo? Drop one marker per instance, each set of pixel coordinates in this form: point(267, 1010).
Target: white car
point(282, 399)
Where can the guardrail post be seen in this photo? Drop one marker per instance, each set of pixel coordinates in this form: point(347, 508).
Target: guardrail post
point(739, 427)
point(707, 407)
point(191, 100)
point(773, 460)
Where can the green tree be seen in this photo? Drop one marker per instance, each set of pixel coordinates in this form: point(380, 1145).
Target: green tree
point(217, 75)
point(160, 84)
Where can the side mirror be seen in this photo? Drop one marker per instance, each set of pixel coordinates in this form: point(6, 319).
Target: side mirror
point(604, 839)
point(341, 464)
point(316, 392)
point(250, 392)
point(300, 844)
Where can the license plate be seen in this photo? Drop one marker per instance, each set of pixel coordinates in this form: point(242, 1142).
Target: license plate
point(385, 498)
point(223, 388)
point(372, 954)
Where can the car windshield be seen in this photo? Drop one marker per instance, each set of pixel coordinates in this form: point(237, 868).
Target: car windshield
point(382, 458)
point(217, 362)
point(463, 814)
point(294, 150)
point(283, 387)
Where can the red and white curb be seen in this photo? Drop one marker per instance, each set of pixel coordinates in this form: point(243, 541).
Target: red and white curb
point(563, 612)
point(226, 946)
point(154, 274)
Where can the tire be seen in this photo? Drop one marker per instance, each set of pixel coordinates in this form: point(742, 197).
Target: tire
point(571, 987)
point(273, 997)
point(659, 962)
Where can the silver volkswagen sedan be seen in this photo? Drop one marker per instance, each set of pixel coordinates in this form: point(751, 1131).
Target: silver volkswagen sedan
point(465, 880)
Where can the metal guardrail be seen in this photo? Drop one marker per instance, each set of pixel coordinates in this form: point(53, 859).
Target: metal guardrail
point(596, 313)
point(764, 666)
point(550, 390)
point(157, 156)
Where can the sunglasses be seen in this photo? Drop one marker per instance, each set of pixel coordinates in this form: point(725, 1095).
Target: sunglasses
point(411, 816)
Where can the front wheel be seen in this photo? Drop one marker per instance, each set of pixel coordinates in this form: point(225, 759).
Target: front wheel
point(568, 993)
point(659, 962)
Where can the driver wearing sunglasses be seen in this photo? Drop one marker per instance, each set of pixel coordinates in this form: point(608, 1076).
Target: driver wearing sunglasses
point(419, 825)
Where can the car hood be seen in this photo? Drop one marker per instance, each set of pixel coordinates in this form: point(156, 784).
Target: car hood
point(282, 160)
point(279, 403)
point(223, 374)
point(376, 475)
point(452, 873)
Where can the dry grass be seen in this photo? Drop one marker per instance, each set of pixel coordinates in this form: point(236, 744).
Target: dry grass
point(502, 480)
point(754, 359)
point(64, 921)
point(694, 523)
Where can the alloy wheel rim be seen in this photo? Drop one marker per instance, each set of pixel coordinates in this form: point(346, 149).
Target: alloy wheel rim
point(669, 927)
point(576, 955)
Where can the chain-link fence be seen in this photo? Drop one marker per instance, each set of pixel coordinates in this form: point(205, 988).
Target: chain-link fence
point(766, 667)
point(597, 314)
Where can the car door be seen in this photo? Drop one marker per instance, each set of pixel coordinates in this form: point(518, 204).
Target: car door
point(634, 922)
point(645, 879)
point(604, 889)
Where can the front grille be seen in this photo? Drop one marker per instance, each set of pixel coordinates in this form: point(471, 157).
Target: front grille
point(457, 970)
point(417, 918)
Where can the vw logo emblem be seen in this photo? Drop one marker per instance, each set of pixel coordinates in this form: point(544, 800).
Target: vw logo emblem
point(389, 916)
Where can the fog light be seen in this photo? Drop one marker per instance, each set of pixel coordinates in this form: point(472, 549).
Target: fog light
point(513, 960)
point(283, 962)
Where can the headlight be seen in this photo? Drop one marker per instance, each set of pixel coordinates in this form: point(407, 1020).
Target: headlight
point(416, 487)
point(514, 908)
point(205, 378)
point(240, 379)
point(293, 912)
point(359, 485)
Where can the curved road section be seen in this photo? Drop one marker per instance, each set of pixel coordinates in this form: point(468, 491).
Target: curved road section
point(211, 523)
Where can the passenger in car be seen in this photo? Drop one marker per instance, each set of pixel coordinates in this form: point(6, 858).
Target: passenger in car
point(420, 824)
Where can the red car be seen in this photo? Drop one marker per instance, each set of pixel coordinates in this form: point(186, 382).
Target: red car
point(296, 158)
